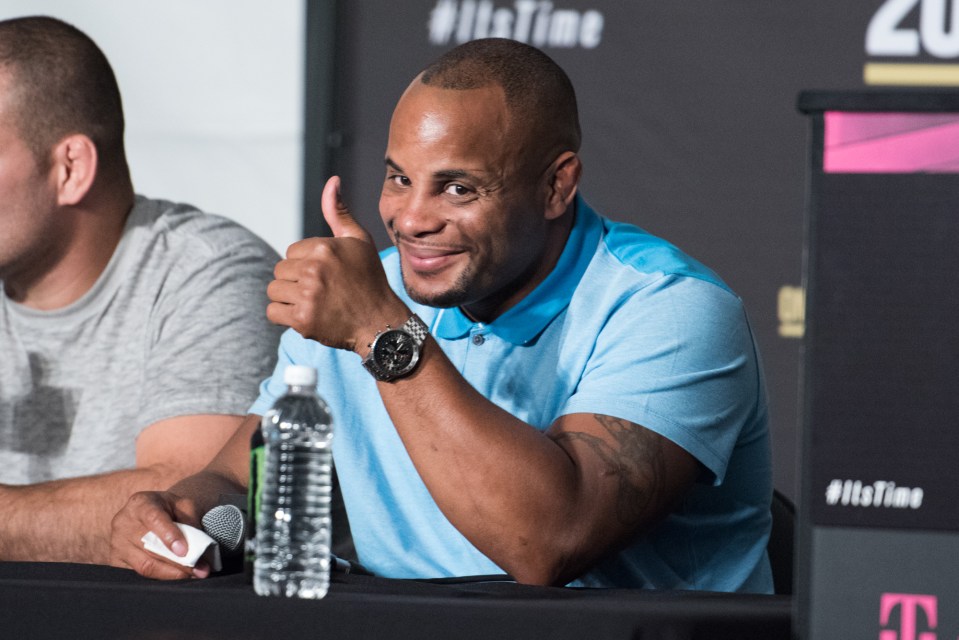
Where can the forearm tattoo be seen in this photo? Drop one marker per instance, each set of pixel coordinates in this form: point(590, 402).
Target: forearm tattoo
point(636, 459)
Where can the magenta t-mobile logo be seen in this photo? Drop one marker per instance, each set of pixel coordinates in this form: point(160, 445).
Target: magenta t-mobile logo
point(909, 604)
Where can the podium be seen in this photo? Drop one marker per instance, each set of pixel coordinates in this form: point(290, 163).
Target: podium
point(878, 553)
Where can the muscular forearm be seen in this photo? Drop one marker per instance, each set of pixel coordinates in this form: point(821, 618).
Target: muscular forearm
point(506, 486)
point(544, 506)
point(69, 520)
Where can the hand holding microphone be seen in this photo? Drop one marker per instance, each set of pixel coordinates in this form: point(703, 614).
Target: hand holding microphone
point(157, 512)
point(226, 524)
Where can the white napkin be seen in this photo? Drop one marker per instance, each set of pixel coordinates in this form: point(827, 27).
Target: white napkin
point(198, 543)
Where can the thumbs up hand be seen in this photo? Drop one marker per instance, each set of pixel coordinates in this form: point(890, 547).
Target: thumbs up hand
point(338, 216)
point(334, 290)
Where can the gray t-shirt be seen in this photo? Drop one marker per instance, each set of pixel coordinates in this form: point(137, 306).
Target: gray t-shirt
point(175, 325)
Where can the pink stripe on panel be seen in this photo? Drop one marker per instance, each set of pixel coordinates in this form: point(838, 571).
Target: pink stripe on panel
point(891, 142)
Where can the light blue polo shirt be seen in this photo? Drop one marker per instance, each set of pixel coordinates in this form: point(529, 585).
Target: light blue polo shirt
point(626, 325)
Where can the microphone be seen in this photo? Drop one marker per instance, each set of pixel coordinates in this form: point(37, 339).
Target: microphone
point(226, 523)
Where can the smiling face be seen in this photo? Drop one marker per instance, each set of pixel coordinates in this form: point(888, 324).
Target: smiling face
point(465, 199)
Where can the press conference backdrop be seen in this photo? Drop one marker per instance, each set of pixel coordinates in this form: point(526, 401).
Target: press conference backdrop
point(879, 530)
point(688, 110)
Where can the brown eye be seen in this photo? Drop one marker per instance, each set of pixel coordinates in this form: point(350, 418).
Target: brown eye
point(457, 190)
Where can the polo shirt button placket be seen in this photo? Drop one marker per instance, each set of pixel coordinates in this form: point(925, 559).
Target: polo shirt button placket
point(478, 339)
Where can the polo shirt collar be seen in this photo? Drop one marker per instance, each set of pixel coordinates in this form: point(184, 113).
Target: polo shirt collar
point(522, 323)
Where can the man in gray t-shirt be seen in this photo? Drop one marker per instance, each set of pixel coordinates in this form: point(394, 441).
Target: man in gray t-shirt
point(133, 332)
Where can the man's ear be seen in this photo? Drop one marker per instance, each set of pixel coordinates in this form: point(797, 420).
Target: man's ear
point(563, 183)
point(75, 163)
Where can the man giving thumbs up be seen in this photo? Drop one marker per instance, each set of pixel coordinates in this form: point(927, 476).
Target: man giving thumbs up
point(519, 385)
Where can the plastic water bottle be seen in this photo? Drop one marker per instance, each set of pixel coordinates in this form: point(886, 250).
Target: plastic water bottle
point(293, 527)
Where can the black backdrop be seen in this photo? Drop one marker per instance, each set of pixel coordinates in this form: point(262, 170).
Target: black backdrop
point(689, 115)
point(878, 526)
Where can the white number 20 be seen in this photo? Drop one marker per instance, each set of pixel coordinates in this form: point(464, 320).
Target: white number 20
point(886, 37)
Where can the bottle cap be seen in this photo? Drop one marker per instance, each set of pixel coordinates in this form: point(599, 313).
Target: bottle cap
point(299, 376)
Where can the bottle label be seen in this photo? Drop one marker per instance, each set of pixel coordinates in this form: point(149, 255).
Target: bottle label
point(253, 497)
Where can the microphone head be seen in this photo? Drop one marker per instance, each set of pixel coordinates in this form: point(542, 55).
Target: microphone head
point(226, 524)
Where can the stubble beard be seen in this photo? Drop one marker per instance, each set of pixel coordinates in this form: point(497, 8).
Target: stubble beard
point(455, 295)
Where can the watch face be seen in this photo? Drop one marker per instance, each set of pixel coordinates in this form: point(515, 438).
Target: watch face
point(394, 351)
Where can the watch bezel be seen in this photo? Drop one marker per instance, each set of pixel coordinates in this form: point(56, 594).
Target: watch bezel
point(385, 340)
point(415, 331)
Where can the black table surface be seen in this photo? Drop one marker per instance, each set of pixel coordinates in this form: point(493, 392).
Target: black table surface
point(61, 600)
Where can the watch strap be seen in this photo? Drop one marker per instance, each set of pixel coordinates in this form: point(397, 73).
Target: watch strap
point(416, 328)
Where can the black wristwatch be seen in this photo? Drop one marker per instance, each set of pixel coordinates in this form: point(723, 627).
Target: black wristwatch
point(395, 352)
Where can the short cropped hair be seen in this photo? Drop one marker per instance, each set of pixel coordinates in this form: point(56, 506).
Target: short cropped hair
point(61, 84)
point(538, 93)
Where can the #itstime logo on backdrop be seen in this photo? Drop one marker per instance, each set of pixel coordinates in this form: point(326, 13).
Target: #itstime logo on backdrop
point(913, 42)
point(537, 22)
